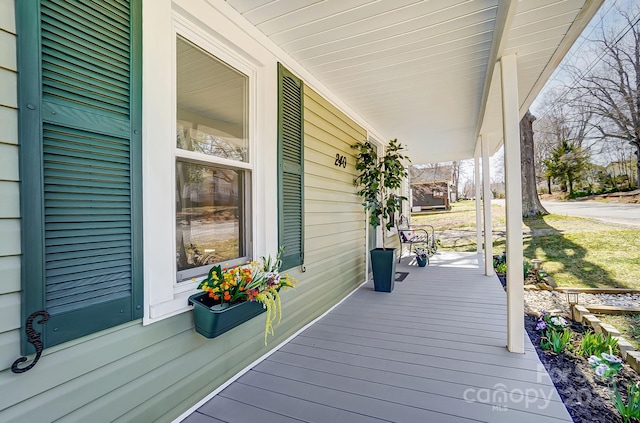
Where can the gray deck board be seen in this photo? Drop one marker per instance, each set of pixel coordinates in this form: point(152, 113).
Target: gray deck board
point(433, 350)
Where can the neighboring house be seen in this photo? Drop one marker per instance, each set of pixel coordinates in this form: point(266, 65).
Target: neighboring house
point(130, 129)
point(623, 170)
point(431, 187)
point(431, 195)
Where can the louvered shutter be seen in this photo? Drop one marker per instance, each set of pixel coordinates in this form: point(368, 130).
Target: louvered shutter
point(80, 135)
point(290, 168)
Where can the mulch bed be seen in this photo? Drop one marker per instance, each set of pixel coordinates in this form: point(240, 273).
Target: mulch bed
point(587, 397)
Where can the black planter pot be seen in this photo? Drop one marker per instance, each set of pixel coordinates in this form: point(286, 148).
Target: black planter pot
point(383, 264)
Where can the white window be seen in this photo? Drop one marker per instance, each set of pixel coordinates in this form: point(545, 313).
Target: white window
point(213, 171)
point(201, 186)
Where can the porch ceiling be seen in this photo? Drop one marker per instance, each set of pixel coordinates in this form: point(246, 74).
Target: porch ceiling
point(422, 71)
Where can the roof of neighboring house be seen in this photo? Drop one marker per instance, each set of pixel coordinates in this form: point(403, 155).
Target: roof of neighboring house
point(423, 174)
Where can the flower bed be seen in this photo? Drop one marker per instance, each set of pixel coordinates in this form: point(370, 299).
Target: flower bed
point(587, 396)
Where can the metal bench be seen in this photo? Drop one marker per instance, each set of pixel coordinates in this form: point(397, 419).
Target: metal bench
point(418, 236)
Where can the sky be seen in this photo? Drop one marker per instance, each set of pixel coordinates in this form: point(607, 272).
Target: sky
point(581, 54)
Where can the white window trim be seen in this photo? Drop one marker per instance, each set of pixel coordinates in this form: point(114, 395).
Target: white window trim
point(164, 296)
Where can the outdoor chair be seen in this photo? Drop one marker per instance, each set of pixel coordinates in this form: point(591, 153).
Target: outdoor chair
point(415, 235)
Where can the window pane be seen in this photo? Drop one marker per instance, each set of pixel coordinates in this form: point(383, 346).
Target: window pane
point(212, 105)
point(209, 211)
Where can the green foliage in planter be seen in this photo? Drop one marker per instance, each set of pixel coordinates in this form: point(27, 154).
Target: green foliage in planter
point(596, 344)
point(379, 177)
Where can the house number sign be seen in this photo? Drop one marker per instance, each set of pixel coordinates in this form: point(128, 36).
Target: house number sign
point(341, 161)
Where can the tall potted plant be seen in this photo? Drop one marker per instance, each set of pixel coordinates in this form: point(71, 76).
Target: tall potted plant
point(377, 180)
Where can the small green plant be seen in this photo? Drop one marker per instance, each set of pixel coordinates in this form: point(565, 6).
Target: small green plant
point(556, 341)
point(501, 268)
point(548, 321)
point(630, 411)
point(555, 334)
point(596, 344)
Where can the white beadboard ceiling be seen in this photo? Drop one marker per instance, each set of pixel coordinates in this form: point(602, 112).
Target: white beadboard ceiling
point(423, 71)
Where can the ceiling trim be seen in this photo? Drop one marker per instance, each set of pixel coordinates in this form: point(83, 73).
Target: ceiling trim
point(577, 26)
point(504, 17)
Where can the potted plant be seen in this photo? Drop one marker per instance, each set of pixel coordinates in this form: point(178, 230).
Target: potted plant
point(379, 177)
point(232, 296)
point(422, 257)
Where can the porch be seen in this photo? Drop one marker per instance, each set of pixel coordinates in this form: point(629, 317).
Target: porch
point(431, 351)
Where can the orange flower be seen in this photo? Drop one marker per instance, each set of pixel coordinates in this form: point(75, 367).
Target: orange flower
point(227, 297)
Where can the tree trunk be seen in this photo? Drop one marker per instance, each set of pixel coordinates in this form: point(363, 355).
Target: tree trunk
point(531, 205)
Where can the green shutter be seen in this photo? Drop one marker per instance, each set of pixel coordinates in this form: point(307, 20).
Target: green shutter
point(80, 138)
point(290, 168)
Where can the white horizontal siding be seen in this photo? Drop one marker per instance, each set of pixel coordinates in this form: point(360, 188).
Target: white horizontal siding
point(8, 162)
point(8, 125)
point(9, 348)
point(10, 310)
point(10, 300)
point(8, 88)
point(9, 237)
point(10, 271)
point(7, 16)
point(9, 194)
point(8, 52)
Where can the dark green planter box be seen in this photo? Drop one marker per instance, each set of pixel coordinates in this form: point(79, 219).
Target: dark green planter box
point(211, 323)
point(383, 264)
point(422, 262)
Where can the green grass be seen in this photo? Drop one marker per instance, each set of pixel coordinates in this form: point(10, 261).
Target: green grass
point(627, 324)
point(575, 251)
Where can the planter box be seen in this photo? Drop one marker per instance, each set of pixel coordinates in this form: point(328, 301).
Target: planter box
point(213, 321)
point(383, 264)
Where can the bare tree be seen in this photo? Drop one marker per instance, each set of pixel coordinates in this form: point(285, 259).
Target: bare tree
point(455, 177)
point(612, 89)
point(565, 120)
point(531, 205)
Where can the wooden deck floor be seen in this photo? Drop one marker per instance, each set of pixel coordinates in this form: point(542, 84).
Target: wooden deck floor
point(431, 351)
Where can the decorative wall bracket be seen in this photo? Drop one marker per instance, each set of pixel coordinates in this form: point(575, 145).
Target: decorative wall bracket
point(33, 337)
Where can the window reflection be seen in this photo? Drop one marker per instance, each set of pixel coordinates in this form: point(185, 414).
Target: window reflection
point(208, 212)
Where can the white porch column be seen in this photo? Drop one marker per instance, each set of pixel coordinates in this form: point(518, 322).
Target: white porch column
point(477, 182)
point(513, 200)
point(486, 204)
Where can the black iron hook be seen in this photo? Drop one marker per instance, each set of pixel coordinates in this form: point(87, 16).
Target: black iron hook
point(33, 337)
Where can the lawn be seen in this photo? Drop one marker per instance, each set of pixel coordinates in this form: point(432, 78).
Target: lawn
point(627, 324)
point(575, 251)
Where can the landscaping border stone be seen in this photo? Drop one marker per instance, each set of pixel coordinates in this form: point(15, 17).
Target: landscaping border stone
point(583, 315)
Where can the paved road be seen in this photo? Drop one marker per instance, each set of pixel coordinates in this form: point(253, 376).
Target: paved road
point(628, 214)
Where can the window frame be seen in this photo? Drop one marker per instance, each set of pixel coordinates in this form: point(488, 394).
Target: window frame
point(191, 157)
point(164, 295)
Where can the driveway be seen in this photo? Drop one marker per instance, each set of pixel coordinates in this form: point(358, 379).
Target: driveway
point(621, 213)
point(627, 214)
